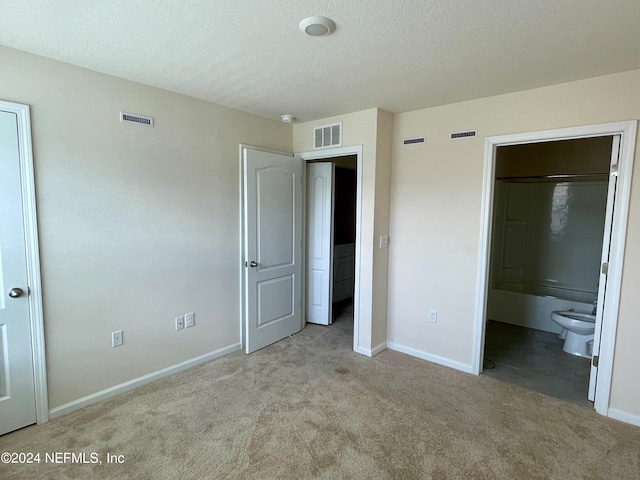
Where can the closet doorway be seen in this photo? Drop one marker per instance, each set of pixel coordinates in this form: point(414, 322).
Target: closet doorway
point(330, 264)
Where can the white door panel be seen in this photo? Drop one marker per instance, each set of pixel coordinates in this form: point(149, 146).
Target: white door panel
point(17, 389)
point(606, 248)
point(272, 215)
point(320, 195)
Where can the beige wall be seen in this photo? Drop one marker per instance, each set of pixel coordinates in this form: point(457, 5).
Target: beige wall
point(365, 128)
point(578, 156)
point(384, 142)
point(435, 215)
point(137, 225)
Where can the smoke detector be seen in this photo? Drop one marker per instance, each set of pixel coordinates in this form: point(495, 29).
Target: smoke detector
point(287, 118)
point(317, 26)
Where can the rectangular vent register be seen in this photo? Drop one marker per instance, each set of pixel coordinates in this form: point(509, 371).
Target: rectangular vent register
point(135, 118)
point(327, 136)
point(465, 134)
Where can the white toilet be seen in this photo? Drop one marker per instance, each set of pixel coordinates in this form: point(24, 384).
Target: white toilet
point(577, 331)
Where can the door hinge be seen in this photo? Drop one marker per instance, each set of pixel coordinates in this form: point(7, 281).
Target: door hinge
point(246, 264)
point(605, 269)
point(596, 360)
point(614, 169)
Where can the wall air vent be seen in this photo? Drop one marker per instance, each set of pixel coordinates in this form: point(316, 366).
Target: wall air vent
point(413, 141)
point(135, 118)
point(465, 134)
point(327, 136)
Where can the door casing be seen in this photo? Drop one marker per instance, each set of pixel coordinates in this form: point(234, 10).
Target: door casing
point(32, 253)
point(627, 131)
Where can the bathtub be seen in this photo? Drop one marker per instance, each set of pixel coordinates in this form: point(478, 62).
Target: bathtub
point(531, 305)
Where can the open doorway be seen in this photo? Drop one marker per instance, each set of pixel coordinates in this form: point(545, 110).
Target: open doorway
point(331, 206)
point(622, 137)
point(549, 216)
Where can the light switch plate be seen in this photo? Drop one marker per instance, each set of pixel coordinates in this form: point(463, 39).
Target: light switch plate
point(384, 241)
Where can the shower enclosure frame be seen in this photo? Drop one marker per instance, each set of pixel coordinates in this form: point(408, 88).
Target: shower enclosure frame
point(627, 131)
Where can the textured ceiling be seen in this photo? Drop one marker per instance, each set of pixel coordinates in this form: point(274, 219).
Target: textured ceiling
point(399, 55)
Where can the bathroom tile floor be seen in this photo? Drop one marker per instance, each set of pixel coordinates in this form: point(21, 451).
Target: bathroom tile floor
point(534, 359)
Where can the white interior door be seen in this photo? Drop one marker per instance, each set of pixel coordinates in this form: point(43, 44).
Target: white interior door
point(272, 213)
point(17, 388)
point(320, 195)
point(606, 247)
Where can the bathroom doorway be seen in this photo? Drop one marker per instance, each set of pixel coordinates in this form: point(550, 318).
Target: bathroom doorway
point(550, 231)
point(550, 204)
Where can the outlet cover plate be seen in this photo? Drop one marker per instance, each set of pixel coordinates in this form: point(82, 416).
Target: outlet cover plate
point(116, 338)
point(433, 316)
point(189, 320)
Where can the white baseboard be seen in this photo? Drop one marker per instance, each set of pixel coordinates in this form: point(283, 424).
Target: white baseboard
point(378, 349)
point(430, 357)
point(624, 416)
point(373, 352)
point(138, 382)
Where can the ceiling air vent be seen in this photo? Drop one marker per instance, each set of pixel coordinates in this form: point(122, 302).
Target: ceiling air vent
point(135, 118)
point(327, 136)
point(413, 141)
point(465, 134)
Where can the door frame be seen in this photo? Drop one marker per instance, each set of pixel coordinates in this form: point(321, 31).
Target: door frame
point(326, 154)
point(32, 254)
point(627, 130)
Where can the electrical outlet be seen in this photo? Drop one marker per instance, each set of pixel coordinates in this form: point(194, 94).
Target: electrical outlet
point(116, 338)
point(433, 316)
point(189, 320)
point(180, 322)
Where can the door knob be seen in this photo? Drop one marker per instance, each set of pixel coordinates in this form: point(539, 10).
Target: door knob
point(15, 292)
point(253, 264)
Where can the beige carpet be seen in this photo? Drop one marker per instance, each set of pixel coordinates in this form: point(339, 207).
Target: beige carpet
point(308, 407)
